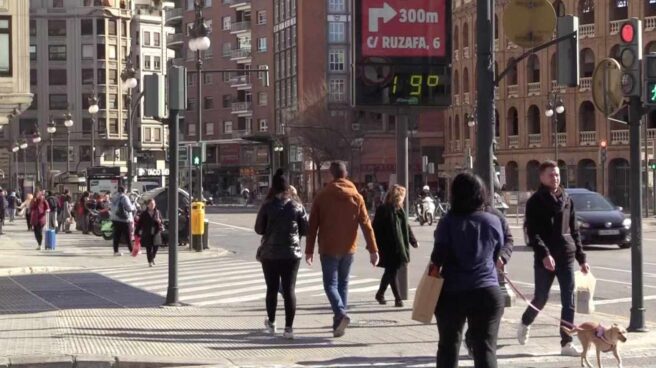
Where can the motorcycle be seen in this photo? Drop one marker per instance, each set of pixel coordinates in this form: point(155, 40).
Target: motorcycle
point(425, 210)
point(100, 224)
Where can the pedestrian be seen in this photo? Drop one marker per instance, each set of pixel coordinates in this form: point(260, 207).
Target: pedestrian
point(54, 209)
point(25, 209)
point(393, 237)
point(149, 227)
point(66, 214)
point(122, 214)
point(12, 204)
point(3, 209)
point(38, 216)
point(82, 213)
point(468, 241)
point(337, 211)
point(60, 208)
point(281, 221)
point(553, 233)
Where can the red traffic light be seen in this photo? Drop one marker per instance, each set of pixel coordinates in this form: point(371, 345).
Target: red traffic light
point(603, 144)
point(627, 32)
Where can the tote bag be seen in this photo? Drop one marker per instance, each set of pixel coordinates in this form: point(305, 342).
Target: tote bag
point(427, 294)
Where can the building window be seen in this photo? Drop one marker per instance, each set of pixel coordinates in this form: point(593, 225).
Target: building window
point(208, 103)
point(102, 76)
point(227, 127)
point(100, 27)
point(146, 60)
point(5, 47)
point(157, 134)
point(191, 129)
point(57, 77)
point(88, 51)
point(33, 77)
point(87, 76)
point(262, 98)
point(261, 17)
point(337, 90)
point(262, 44)
point(56, 28)
point(336, 5)
point(209, 128)
point(226, 23)
point(113, 76)
point(58, 101)
point(57, 52)
point(32, 52)
point(207, 78)
point(112, 52)
point(336, 32)
point(100, 51)
point(336, 60)
point(157, 39)
point(113, 126)
point(146, 38)
point(32, 27)
point(227, 100)
point(35, 102)
point(112, 101)
point(111, 27)
point(263, 125)
point(157, 62)
point(57, 3)
point(86, 27)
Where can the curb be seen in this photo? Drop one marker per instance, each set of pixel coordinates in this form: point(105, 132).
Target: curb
point(102, 361)
point(27, 270)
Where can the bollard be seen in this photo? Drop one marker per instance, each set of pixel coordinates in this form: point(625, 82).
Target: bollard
point(197, 225)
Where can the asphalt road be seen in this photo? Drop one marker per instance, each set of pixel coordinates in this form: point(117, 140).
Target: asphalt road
point(610, 265)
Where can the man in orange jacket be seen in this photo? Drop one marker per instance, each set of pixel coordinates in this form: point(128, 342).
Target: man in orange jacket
point(336, 212)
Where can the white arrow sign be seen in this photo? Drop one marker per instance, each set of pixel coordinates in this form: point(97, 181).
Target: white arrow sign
point(386, 13)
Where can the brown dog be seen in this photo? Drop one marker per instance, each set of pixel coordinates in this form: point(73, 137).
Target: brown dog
point(604, 339)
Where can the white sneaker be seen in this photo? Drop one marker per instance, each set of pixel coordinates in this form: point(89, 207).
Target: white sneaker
point(523, 332)
point(38, 247)
point(570, 350)
point(117, 254)
point(270, 327)
point(289, 333)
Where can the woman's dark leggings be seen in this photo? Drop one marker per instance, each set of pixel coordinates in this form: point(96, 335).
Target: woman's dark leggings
point(121, 229)
point(281, 272)
point(38, 234)
point(389, 278)
point(28, 220)
point(151, 252)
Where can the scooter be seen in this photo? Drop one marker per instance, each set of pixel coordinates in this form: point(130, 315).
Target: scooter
point(100, 224)
point(425, 210)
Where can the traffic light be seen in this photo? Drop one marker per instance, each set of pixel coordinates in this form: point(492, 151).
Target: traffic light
point(196, 156)
point(603, 150)
point(650, 79)
point(631, 57)
point(652, 164)
point(567, 52)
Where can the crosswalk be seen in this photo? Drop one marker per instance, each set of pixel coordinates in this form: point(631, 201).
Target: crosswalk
point(223, 280)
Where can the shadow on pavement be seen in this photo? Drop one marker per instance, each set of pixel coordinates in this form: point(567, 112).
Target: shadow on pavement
point(347, 362)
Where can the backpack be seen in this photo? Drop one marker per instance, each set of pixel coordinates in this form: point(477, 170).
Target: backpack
point(52, 203)
point(121, 213)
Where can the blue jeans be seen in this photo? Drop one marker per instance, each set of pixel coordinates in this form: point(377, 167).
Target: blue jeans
point(336, 271)
point(543, 280)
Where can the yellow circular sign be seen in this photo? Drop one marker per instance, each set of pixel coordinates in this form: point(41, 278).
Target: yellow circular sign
point(607, 87)
point(529, 23)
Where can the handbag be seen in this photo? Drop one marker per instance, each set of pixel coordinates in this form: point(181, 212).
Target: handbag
point(585, 288)
point(427, 294)
point(157, 238)
point(136, 247)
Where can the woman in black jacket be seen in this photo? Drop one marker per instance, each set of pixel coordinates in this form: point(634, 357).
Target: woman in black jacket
point(281, 221)
point(393, 237)
point(149, 227)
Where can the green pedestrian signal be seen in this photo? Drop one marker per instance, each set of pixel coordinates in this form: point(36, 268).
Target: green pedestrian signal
point(650, 79)
point(196, 159)
point(651, 92)
point(652, 164)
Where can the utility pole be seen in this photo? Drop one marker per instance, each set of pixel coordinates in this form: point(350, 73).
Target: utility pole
point(402, 179)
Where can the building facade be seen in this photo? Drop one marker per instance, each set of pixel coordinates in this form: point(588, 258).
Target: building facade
point(525, 135)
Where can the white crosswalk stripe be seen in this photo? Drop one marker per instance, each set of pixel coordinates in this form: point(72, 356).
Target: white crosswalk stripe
point(223, 280)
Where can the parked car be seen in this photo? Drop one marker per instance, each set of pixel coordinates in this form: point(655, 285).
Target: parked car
point(600, 222)
point(161, 197)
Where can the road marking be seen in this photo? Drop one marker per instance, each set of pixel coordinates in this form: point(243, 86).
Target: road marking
point(232, 226)
point(621, 300)
point(625, 271)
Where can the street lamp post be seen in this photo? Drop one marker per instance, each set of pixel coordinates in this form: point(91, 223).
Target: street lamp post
point(129, 83)
point(14, 150)
point(93, 110)
point(555, 107)
point(52, 128)
point(36, 139)
point(23, 146)
point(68, 123)
point(198, 42)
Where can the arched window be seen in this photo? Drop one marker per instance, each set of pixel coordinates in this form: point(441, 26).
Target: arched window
point(450, 126)
point(586, 176)
point(650, 8)
point(512, 121)
point(465, 81)
point(586, 11)
point(465, 35)
point(512, 176)
point(456, 129)
point(456, 44)
point(559, 7)
point(587, 61)
point(456, 82)
point(532, 175)
point(511, 77)
point(553, 67)
point(651, 47)
point(587, 117)
point(533, 117)
point(496, 27)
point(533, 69)
point(497, 126)
point(618, 10)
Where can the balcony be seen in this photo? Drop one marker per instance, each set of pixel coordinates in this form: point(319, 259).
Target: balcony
point(238, 4)
point(614, 27)
point(650, 23)
point(513, 91)
point(585, 84)
point(465, 52)
point(534, 89)
point(238, 54)
point(458, 145)
point(511, 45)
point(242, 107)
point(173, 14)
point(466, 98)
point(513, 141)
point(173, 39)
point(535, 140)
point(588, 138)
point(619, 136)
point(587, 30)
point(562, 139)
point(651, 133)
point(237, 27)
point(555, 86)
point(240, 81)
point(240, 133)
point(456, 100)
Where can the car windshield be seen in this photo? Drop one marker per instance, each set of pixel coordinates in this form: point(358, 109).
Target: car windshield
point(586, 202)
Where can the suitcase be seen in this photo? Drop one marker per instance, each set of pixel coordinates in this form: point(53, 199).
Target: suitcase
point(51, 239)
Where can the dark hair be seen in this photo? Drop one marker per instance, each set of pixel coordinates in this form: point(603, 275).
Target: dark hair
point(149, 200)
point(338, 169)
point(121, 189)
point(468, 194)
point(278, 185)
point(549, 164)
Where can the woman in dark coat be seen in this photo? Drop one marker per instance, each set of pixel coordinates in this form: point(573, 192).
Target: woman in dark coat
point(149, 227)
point(394, 237)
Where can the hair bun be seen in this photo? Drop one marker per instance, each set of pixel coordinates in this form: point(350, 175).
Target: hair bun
point(279, 172)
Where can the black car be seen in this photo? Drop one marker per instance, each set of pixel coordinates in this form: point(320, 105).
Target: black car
point(600, 222)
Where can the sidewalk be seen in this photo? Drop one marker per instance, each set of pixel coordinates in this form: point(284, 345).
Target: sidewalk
point(84, 317)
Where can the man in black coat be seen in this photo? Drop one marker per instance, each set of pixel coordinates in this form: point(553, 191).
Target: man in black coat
point(3, 209)
point(554, 235)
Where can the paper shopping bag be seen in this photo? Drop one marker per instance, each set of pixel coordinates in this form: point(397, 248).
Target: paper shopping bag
point(585, 287)
point(427, 294)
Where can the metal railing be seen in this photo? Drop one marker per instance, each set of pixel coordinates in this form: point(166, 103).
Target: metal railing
point(513, 90)
point(175, 38)
point(619, 136)
point(614, 27)
point(465, 52)
point(588, 138)
point(466, 98)
point(240, 53)
point(555, 86)
point(650, 23)
point(239, 80)
point(240, 26)
point(651, 133)
point(535, 140)
point(534, 88)
point(513, 141)
point(585, 83)
point(456, 100)
point(240, 106)
point(562, 139)
point(174, 13)
point(587, 30)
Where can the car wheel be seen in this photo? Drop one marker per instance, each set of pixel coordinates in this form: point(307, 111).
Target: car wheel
point(624, 245)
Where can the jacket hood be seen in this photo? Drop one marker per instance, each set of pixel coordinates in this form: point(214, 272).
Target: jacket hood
point(342, 188)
